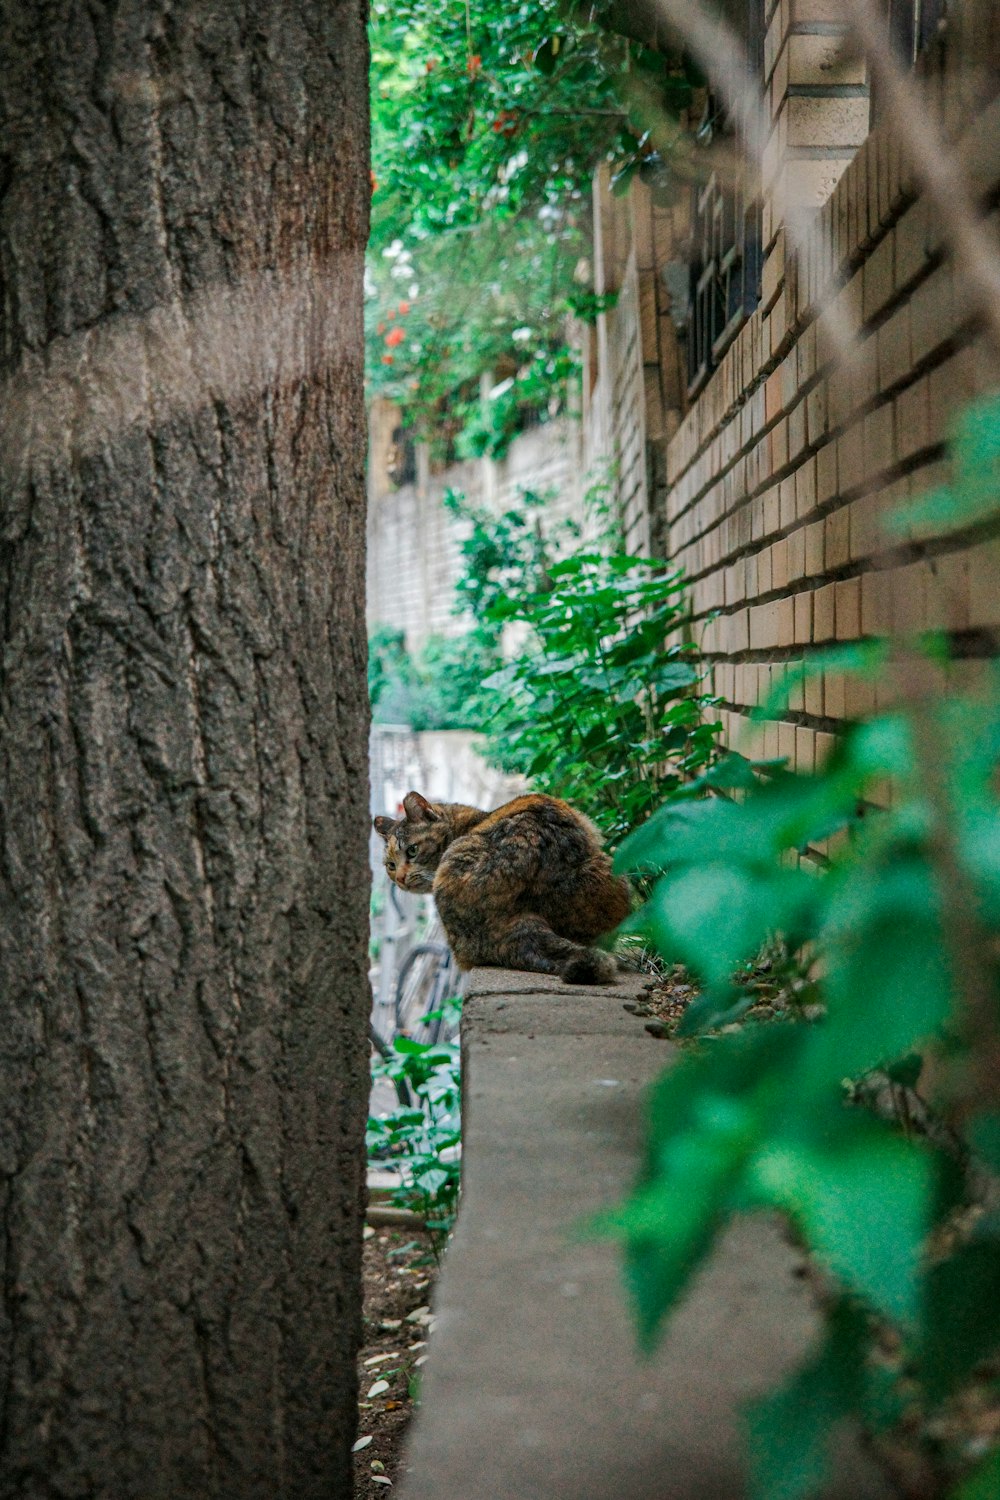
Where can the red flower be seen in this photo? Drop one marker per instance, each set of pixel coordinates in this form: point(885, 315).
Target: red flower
point(474, 66)
point(404, 308)
point(380, 328)
point(387, 359)
point(393, 337)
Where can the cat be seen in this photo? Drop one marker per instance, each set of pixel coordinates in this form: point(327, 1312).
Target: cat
point(526, 886)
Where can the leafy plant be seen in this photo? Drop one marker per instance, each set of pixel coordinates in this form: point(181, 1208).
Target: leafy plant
point(436, 689)
point(487, 123)
point(896, 917)
point(422, 1139)
point(600, 703)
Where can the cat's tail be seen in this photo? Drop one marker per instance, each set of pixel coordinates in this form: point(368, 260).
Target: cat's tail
point(590, 966)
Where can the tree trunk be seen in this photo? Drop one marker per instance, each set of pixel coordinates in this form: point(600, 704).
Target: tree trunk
point(183, 778)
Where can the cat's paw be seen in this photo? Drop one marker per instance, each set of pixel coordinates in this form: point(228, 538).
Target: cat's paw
point(590, 966)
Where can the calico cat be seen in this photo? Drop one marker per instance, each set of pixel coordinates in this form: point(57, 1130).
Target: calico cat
point(527, 886)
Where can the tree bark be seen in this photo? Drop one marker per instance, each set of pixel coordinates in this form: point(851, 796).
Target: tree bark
point(183, 773)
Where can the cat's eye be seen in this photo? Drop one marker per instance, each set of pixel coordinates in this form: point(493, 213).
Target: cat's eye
point(411, 852)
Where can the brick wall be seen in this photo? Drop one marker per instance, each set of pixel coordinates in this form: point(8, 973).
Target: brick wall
point(414, 544)
point(773, 489)
point(781, 476)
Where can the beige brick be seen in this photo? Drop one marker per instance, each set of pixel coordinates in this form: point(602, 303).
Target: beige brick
point(805, 750)
point(950, 386)
point(786, 507)
point(786, 621)
point(913, 430)
point(764, 571)
point(805, 488)
point(779, 445)
point(823, 59)
point(796, 542)
point(823, 612)
point(948, 596)
point(786, 742)
point(738, 632)
point(851, 458)
point(833, 695)
point(837, 543)
point(815, 549)
point(895, 354)
point(813, 694)
point(859, 696)
point(932, 312)
point(848, 609)
point(909, 599)
point(816, 414)
point(911, 244)
point(880, 440)
point(984, 585)
point(867, 536)
point(763, 626)
point(878, 277)
point(876, 603)
point(796, 431)
point(809, 183)
point(803, 617)
point(772, 511)
point(829, 12)
point(779, 568)
point(825, 744)
point(826, 473)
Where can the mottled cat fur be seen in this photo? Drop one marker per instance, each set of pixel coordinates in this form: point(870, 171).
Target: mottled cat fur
point(527, 886)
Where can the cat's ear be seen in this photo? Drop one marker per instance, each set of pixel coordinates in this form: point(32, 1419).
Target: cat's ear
point(383, 826)
point(419, 810)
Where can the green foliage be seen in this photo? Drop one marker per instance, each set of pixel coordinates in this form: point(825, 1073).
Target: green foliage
point(422, 1139)
point(597, 695)
point(487, 123)
point(436, 690)
point(896, 921)
point(599, 704)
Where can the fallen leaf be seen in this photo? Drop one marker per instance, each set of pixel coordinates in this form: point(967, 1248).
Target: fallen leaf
point(418, 1315)
point(377, 1389)
point(377, 1359)
point(361, 1443)
point(380, 1479)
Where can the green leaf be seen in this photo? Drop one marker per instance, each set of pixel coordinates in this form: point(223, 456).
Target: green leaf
point(864, 1205)
point(984, 1483)
point(791, 1430)
point(962, 1318)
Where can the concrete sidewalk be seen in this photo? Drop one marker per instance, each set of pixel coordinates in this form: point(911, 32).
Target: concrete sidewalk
point(534, 1389)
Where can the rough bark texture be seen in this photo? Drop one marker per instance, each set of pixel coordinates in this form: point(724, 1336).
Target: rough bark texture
point(183, 781)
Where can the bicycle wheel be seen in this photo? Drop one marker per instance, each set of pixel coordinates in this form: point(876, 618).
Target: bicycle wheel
point(419, 990)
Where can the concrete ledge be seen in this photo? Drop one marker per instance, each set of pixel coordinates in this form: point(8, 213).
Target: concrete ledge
point(534, 1389)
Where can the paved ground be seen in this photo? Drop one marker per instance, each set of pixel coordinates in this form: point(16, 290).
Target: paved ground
point(534, 1389)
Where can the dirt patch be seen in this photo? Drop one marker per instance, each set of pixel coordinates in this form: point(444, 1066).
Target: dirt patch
point(666, 998)
point(399, 1275)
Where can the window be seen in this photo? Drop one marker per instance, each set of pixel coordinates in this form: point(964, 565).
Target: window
point(913, 24)
point(725, 241)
